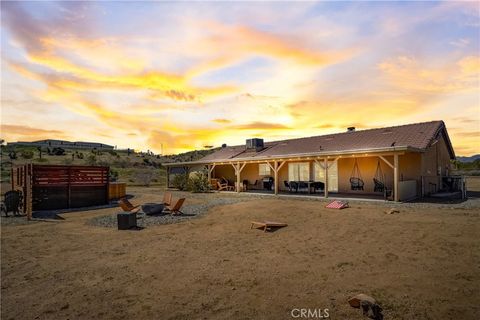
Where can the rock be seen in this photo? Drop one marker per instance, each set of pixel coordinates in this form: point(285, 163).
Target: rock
point(356, 300)
point(392, 211)
point(372, 310)
point(66, 306)
point(369, 306)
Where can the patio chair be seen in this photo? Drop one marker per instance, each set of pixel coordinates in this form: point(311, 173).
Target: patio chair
point(167, 199)
point(253, 186)
point(224, 186)
point(379, 185)
point(12, 202)
point(287, 185)
point(356, 183)
point(293, 186)
point(128, 207)
point(175, 209)
point(302, 185)
point(318, 185)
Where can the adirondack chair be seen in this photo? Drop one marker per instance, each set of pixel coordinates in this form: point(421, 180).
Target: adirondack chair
point(127, 206)
point(224, 186)
point(167, 199)
point(175, 209)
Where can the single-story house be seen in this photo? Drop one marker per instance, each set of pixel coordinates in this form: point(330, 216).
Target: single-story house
point(400, 162)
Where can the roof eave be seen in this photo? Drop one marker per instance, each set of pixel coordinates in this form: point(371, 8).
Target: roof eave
point(297, 155)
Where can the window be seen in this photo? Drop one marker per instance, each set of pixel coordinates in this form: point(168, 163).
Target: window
point(263, 169)
point(299, 171)
point(319, 173)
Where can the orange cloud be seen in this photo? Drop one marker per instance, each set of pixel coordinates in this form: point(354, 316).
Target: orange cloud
point(259, 126)
point(222, 121)
point(12, 132)
point(240, 42)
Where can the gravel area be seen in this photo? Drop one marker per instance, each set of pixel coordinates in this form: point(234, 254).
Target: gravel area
point(190, 212)
point(15, 220)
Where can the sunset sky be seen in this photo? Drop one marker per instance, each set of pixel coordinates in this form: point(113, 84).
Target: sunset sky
point(185, 75)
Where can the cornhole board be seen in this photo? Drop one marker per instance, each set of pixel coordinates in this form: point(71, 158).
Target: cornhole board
point(337, 204)
point(267, 225)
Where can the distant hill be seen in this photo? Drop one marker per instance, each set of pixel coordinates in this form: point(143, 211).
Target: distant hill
point(128, 165)
point(469, 159)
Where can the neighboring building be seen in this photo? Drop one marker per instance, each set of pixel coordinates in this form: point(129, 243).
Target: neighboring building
point(50, 143)
point(408, 160)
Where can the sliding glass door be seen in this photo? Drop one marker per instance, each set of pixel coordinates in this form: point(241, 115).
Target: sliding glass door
point(299, 171)
point(332, 175)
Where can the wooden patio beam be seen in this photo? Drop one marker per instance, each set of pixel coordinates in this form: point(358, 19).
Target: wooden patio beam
point(271, 167)
point(387, 162)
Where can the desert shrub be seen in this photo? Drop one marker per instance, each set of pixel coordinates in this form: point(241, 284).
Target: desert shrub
point(121, 163)
point(113, 153)
point(91, 160)
point(179, 182)
point(27, 154)
point(41, 160)
point(113, 175)
point(67, 161)
point(198, 183)
point(56, 151)
point(103, 163)
point(145, 177)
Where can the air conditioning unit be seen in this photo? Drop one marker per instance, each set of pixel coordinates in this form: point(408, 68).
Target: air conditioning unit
point(255, 144)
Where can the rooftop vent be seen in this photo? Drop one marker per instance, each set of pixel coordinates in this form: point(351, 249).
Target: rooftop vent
point(254, 144)
point(351, 129)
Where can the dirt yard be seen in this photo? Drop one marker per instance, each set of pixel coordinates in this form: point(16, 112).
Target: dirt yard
point(421, 263)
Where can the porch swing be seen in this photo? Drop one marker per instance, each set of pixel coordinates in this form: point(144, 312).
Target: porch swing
point(356, 182)
point(379, 179)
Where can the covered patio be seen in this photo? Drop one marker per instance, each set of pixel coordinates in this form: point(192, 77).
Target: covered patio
point(354, 175)
point(396, 163)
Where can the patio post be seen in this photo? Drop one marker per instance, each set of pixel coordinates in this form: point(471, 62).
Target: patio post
point(210, 170)
point(168, 177)
point(395, 178)
point(326, 177)
point(238, 169)
point(238, 176)
point(275, 179)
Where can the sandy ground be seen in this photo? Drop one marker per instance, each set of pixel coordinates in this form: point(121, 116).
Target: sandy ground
point(422, 263)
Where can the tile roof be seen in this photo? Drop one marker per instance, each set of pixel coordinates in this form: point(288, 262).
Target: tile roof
point(414, 136)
